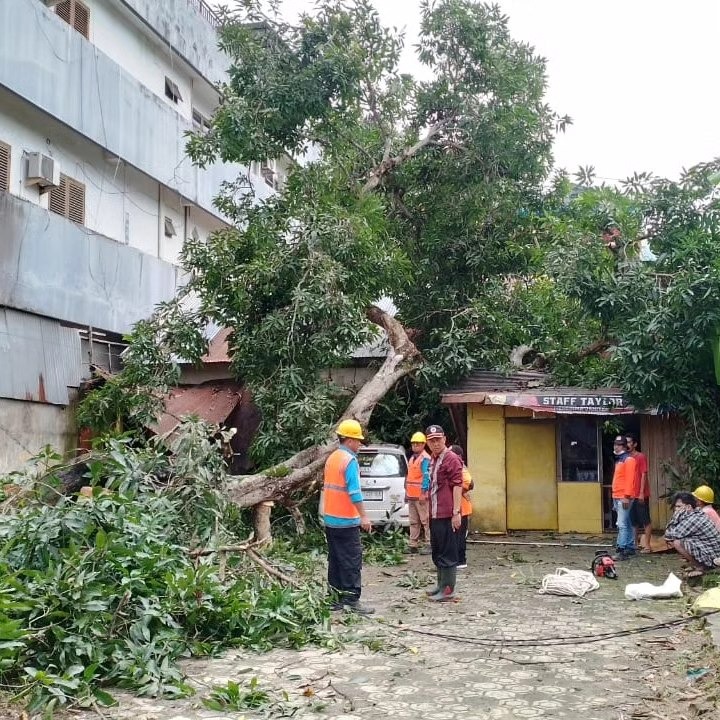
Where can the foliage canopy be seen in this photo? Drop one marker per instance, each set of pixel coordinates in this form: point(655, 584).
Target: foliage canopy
point(423, 190)
point(434, 191)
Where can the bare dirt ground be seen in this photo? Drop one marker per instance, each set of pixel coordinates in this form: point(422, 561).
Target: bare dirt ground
point(388, 667)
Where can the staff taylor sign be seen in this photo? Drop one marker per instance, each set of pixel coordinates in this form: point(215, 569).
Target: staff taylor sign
point(592, 403)
point(587, 404)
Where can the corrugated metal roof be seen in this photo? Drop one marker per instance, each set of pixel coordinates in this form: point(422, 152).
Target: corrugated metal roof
point(524, 381)
point(491, 381)
point(39, 358)
point(212, 402)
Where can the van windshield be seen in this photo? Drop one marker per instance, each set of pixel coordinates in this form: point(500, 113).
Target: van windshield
point(381, 465)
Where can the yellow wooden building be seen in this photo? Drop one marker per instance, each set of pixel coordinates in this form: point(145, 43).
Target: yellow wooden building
point(541, 456)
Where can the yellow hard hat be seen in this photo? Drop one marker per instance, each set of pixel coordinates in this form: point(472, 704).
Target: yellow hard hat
point(350, 429)
point(418, 437)
point(705, 494)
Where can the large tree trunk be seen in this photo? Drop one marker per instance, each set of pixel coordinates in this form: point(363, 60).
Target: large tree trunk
point(302, 470)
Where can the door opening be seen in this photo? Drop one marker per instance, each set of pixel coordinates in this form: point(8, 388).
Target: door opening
point(610, 428)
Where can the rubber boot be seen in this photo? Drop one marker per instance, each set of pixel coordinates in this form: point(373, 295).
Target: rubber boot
point(436, 589)
point(448, 576)
point(357, 607)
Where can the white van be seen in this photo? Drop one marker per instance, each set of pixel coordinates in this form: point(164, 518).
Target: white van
point(383, 469)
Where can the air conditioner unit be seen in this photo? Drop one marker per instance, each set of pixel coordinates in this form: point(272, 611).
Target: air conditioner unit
point(42, 170)
point(52, 3)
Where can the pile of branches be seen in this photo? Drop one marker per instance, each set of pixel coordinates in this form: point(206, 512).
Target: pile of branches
point(111, 586)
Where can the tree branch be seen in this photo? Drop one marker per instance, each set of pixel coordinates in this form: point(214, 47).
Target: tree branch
point(597, 348)
point(300, 470)
point(249, 548)
point(270, 570)
point(390, 163)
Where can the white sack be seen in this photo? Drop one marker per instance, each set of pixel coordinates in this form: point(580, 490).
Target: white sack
point(646, 591)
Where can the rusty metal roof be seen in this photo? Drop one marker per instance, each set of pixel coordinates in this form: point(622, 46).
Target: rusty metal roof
point(491, 381)
point(218, 348)
point(212, 401)
point(481, 382)
point(40, 359)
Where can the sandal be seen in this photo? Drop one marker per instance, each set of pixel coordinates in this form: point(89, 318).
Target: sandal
point(695, 574)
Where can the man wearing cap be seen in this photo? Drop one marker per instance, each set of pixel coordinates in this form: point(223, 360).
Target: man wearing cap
point(622, 493)
point(344, 515)
point(417, 485)
point(446, 479)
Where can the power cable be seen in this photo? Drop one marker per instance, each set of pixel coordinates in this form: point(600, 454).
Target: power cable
point(554, 640)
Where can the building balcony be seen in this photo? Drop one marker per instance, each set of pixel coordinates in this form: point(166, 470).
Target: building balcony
point(53, 67)
point(190, 28)
point(53, 267)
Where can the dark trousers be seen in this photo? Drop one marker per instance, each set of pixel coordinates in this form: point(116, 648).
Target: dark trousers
point(461, 535)
point(444, 543)
point(344, 561)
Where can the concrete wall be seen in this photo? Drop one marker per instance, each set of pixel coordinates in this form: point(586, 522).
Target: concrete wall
point(25, 428)
point(116, 33)
point(53, 267)
point(54, 67)
point(120, 202)
point(181, 27)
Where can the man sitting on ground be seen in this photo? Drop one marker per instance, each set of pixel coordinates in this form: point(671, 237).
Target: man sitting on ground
point(692, 533)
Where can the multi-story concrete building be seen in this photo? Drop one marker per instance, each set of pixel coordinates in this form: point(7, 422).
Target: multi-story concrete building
point(97, 194)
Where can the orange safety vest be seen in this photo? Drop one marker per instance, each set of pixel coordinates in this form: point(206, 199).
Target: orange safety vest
point(465, 504)
point(413, 484)
point(337, 502)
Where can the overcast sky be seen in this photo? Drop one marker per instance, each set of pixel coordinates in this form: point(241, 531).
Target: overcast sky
point(638, 77)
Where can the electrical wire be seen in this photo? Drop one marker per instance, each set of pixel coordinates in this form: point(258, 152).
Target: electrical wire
point(553, 641)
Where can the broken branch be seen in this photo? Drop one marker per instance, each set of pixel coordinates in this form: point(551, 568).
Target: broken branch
point(270, 570)
point(390, 163)
point(298, 472)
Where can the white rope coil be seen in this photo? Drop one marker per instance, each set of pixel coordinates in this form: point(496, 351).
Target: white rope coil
point(568, 582)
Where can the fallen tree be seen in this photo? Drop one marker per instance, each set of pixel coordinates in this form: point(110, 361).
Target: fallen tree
point(296, 473)
point(425, 191)
point(114, 586)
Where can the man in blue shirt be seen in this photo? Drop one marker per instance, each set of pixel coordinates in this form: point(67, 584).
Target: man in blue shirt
point(344, 516)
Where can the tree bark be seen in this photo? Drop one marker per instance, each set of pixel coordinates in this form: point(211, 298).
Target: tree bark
point(390, 163)
point(302, 469)
point(261, 522)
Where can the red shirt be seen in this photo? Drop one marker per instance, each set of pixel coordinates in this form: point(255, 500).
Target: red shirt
point(641, 467)
point(446, 472)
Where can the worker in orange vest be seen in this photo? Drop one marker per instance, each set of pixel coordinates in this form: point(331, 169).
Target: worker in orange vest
point(465, 509)
point(417, 484)
point(344, 516)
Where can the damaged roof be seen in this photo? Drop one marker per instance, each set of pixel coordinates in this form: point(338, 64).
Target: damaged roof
point(218, 348)
point(532, 390)
point(212, 401)
point(482, 381)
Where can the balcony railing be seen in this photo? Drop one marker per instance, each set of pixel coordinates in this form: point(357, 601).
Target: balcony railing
point(206, 11)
